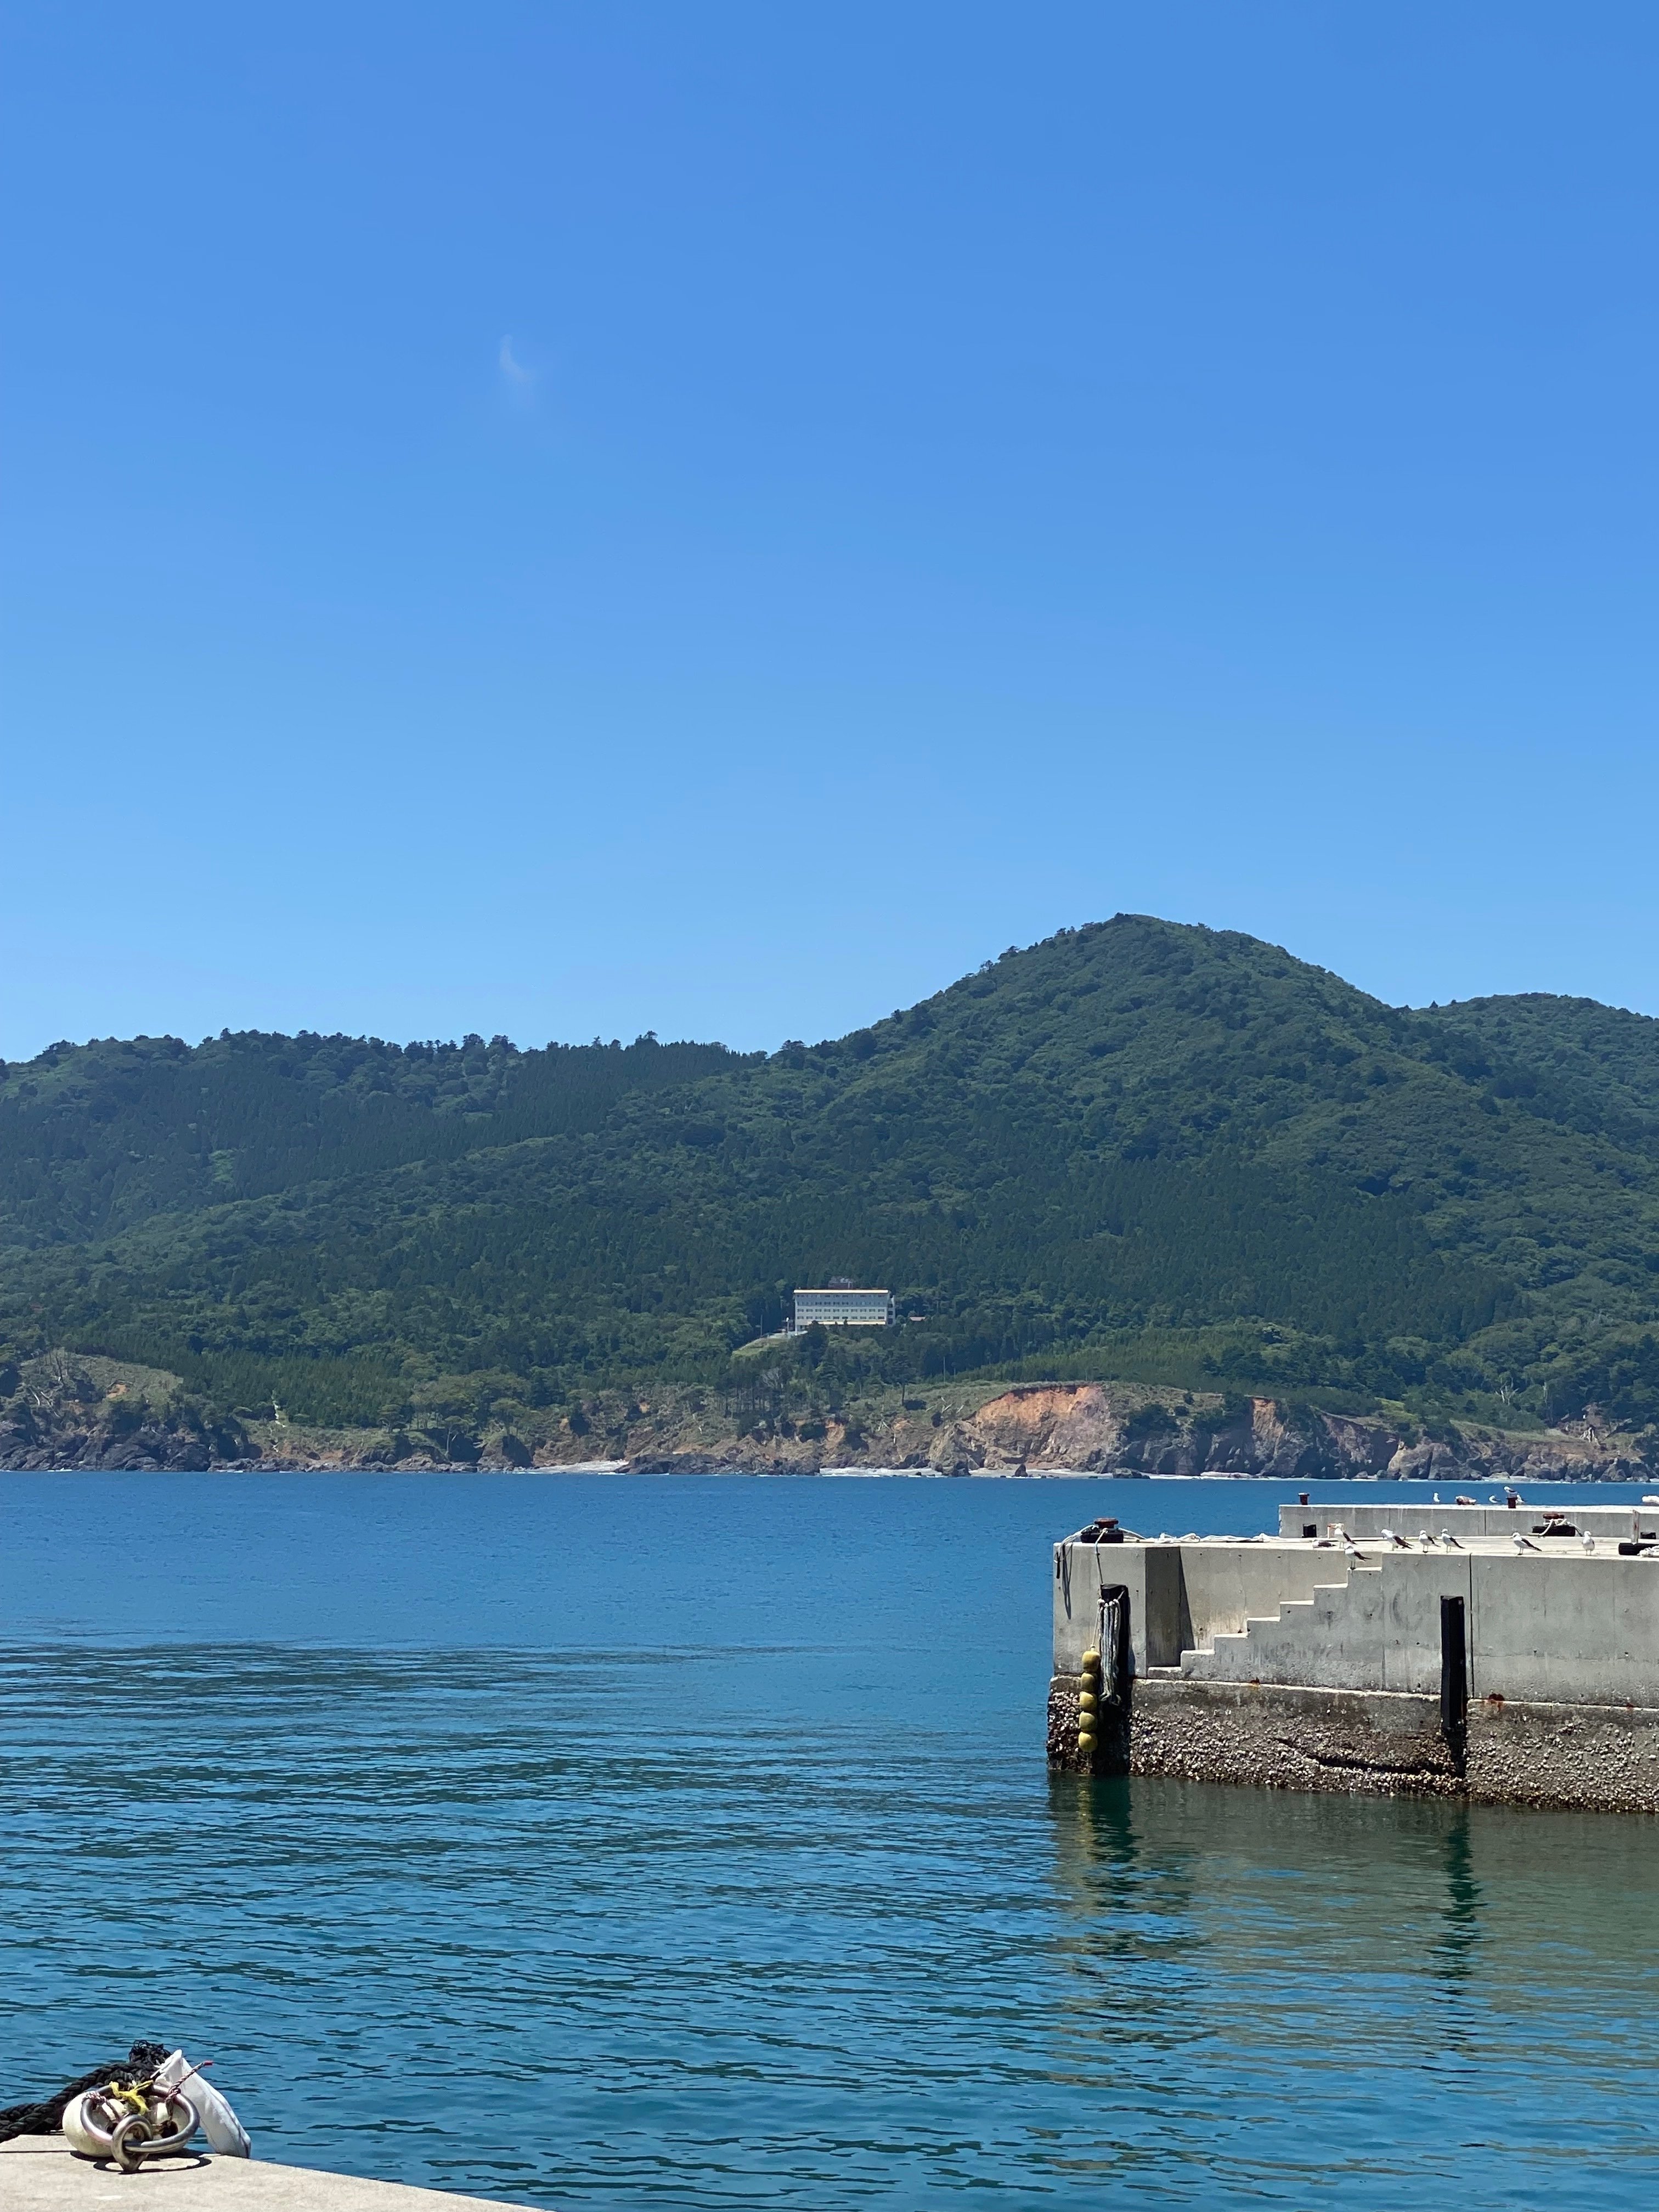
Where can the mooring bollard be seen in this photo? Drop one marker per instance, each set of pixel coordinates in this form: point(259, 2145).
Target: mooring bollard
point(1454, 1679)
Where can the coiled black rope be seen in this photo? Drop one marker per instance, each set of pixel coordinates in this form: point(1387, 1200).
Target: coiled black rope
point(45, 2117)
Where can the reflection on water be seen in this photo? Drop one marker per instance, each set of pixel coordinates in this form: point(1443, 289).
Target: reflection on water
point(1460, 1916)
point(509, 1839)
point(1281, 1997)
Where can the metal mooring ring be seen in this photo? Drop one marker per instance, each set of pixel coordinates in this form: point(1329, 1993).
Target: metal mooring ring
point(135, 2138)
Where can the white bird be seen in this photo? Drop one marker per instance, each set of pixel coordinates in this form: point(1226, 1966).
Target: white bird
point(1522, 1543)
point(1350, 1550)
point(1425, 1540)
point(1450, 1540)
point(1398, 1542)
point(1435, 1500)
point(1588, 1542)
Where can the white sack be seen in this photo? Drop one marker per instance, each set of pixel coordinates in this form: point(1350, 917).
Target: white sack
point(224, 2131)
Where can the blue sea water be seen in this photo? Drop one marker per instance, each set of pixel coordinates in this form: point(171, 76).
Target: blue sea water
point(688, 1843)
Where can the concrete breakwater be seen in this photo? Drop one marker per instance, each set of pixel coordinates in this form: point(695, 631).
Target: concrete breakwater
point(1385, 1648)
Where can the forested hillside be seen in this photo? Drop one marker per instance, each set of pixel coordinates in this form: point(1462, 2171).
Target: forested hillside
point(1136, 1149)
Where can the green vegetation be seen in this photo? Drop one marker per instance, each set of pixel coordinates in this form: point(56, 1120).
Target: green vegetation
point(1136, 1149)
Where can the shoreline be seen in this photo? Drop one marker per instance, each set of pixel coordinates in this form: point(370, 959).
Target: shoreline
point(81, 1411)
point(1412, 1483)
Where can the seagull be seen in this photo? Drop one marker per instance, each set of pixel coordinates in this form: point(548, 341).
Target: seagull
point(1425, 1540)
point(1435, 1500)
point(1398, 1542)
point(1350, 1550)
point(1450, 1540)
point(1522, 1543)
point(1588, 1542)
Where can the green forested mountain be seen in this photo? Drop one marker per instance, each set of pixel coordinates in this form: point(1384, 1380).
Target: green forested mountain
point(1137, 1149)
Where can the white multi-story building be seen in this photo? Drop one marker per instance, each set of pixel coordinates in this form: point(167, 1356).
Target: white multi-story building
point(843, 1308)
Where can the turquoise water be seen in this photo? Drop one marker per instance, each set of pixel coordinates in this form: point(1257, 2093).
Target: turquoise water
point(688, 1843)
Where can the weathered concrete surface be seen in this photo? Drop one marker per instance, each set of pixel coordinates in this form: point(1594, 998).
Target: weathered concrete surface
point(1377, 1743)
point(1550, 1624)
point(1111, 1755)
point(1600, 1758)
point(1555, 1627)
point(1180, 1595)
point(1368, 1742)
point(37, 2173)
point(1308, 1664)
point(1406, 1518)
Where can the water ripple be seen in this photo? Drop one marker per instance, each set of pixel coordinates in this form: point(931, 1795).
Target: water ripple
point(465, 1880)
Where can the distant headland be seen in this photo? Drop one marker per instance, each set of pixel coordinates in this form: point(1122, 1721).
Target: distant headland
point(1145, 1193)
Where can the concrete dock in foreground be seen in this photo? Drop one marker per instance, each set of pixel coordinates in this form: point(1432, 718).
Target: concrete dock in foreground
point(1503, 1653)
point(38, 2173)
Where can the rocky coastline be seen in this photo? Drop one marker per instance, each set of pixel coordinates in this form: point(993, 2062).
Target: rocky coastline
point(1036, 1429)
point(1029, 1429)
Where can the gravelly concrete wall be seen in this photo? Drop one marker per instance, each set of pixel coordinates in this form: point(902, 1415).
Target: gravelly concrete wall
point(1592, 1757)
point(1603, 1758)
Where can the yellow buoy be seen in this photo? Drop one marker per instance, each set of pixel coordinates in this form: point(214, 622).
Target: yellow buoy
point(1084, 1740)
point(1091, 1662)
point(1085, 1701)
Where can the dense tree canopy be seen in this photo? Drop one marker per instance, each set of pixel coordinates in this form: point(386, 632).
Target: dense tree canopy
point(1135, 1148)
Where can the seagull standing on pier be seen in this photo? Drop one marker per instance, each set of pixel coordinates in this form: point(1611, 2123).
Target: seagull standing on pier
point(1522, 1543)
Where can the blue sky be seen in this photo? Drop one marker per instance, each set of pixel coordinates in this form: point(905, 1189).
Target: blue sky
point(576, 518)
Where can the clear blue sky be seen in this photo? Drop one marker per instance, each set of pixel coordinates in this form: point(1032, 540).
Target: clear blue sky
point(576, 518)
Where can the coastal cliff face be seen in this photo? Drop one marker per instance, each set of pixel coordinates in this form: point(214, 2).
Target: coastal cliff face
point(67, 1412)
point(1092, 1427)
point(67, 1437)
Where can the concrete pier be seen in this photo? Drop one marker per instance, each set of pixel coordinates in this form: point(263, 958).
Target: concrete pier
point(38, 2173)
point(1610, 1524)
point(1373, 1659)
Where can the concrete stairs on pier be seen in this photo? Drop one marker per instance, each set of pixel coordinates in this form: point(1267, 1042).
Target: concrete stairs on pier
point(1337, 1632)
